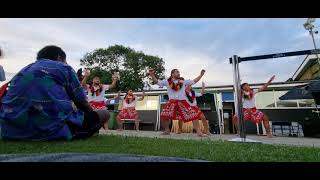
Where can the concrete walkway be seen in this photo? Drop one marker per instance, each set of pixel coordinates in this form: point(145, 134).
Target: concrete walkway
point(292, 141)
point(88, 157)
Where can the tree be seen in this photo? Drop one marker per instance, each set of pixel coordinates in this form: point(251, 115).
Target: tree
point(132, 66)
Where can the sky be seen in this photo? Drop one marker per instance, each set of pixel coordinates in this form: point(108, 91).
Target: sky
point(187, 44)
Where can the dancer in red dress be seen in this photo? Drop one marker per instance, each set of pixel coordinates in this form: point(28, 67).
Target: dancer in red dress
point(128, 109)
point(178, 108)
point(250, 111)
point(96, 92)
point(191, 99)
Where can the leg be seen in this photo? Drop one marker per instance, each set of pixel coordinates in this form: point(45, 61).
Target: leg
point(235, 122)
point(267, 126)
point(136, 120)
point(205, 125)
point(104, 117)
point(136, 123)
point(91, 125)
point(119, 123)
point(196, 126)
point(180, 126)
point(166, 127)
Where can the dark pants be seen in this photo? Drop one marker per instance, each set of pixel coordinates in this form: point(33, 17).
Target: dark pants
point(91, 125)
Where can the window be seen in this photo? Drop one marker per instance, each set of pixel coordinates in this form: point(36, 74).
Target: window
point(284, 103)
point(306, 103)
point(265, 99)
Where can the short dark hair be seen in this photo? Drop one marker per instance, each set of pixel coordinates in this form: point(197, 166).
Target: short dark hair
point(51, 52)
point(172, 71)
point(243, 84)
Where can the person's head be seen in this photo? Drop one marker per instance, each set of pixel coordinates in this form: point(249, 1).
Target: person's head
point(245, 87)
point(51, 52)
point(96, 80)
point(175, 74)
point(188, 87)
point(130, 92)
point(79, 73)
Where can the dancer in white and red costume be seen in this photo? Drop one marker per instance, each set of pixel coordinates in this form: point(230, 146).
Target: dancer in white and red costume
point(192, 100)
point(96, 92)
point(129, 108)
point(250, 111)
point(178, 108)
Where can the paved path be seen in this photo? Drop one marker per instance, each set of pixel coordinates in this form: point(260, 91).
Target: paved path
point(88, 157)
point(294, 141)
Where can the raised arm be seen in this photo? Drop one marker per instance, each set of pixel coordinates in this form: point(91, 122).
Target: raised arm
point(108, 100)
point(84, 80)
point(143, 94)
point(265, 86)
point(114, 81)
point(197, 79)
point(118, 96)
point(203, 88)
point(153, 76)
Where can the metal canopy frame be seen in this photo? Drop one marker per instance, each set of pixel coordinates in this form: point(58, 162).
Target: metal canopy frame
point(235, 60)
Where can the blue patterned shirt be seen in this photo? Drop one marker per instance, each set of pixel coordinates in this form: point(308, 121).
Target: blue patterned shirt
point(39, 102)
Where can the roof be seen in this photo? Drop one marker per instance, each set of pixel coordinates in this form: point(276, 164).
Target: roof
point(309, 61)
point(226, 88)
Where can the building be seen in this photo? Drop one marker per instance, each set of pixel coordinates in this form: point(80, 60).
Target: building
point(219, 112)
point(308, 70)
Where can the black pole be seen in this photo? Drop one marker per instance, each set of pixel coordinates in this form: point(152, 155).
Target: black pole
point(278, 55)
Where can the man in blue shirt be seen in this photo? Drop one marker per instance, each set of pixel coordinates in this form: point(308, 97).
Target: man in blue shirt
point(45, 101)
point(2, 74)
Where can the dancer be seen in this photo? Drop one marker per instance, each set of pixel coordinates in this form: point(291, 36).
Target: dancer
point(191, 99)
point(250, 111)
point(128, 109)
point(178, 107)
point(96, 92)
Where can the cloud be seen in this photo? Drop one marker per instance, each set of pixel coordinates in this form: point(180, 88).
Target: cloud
point(187, 44)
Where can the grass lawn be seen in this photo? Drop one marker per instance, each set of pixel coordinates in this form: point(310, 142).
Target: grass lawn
point(192, 149)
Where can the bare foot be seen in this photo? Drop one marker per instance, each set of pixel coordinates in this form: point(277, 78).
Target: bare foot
point(119, 129)
point(202, 135)
point(269, 135)
point(165, 133)
point(179, 132)
point(209, 134)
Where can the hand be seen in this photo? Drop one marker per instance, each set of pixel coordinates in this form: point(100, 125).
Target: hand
point(202, 72)
point(151, 72)
point(114, 76)
point(86, 73)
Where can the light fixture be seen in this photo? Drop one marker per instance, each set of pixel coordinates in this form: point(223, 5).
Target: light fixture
point(309, 27)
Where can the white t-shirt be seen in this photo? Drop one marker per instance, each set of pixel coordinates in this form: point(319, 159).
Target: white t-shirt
point(249, 103)
point(132, 104)
point(178, 95)
point(195, 100)
point(101, 95)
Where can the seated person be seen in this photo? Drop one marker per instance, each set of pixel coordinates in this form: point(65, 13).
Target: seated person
point(45, 101)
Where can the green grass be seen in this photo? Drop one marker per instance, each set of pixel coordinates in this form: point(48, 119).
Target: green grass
point(193, 149)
